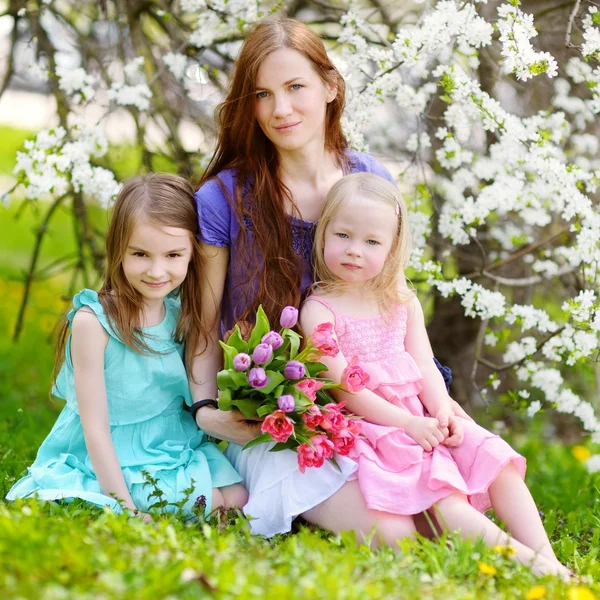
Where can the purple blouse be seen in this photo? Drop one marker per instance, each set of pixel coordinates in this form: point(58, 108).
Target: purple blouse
point(219, 227)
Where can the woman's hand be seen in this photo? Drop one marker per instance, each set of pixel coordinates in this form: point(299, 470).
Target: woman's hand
point(425, 431)
point(230, 425)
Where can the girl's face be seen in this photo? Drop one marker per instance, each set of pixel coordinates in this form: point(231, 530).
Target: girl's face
point(291, 100)
point(359, 238)
point(156, 260)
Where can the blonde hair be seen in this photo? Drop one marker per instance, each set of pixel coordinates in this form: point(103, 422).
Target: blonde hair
point(386, 285)
point(160, 199)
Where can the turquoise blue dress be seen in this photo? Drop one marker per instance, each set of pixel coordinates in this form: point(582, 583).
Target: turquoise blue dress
point(149, 428)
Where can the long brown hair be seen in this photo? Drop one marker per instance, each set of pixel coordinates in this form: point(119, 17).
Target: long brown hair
point(242, 145)
point(163, 200)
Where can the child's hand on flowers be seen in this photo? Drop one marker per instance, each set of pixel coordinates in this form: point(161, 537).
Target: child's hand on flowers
point(425, 431)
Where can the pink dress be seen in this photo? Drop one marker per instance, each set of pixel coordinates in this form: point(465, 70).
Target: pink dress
point(395, 473)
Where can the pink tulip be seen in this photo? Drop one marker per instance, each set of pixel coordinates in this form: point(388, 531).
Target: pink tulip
point(278, 426)
point(354, 378)
point(315, 453)
point(323, 340)
point(310, 387)
point(333, 419)
point(343, 441)
point(313, 417)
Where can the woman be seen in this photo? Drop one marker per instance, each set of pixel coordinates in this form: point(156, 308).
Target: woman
point(279, 151)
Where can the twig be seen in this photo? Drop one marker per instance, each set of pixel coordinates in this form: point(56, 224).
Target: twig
point(572, 16)
point(32, 266)
point(522, 252)
point(500, 368)
point(525, 281)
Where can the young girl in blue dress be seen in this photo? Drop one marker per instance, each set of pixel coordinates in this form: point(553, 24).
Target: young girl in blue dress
point(122, 355)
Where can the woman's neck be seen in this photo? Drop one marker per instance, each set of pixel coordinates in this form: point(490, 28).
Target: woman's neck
point(312, 165)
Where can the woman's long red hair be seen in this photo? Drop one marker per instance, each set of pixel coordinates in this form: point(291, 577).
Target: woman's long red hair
point(241, 145)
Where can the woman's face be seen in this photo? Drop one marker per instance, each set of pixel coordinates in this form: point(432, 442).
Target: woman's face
point(291, 100)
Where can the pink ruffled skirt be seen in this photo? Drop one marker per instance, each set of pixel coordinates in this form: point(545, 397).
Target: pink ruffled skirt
point(397, 475)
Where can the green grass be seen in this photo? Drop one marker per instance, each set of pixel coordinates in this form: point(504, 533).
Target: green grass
point(50, 552)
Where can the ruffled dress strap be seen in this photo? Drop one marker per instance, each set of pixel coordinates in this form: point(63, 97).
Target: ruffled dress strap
point(338, 322)
point(89, 299)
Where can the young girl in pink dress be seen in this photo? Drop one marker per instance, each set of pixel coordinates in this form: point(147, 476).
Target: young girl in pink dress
point(415, 455)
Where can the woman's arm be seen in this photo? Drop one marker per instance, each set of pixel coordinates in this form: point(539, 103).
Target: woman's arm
point(88, 342)
point(225, 425)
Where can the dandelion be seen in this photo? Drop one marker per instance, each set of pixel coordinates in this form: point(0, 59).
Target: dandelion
point(487, 569)
point(581, 453)
point(580, 593)
point(505, 550)
point(536, 592)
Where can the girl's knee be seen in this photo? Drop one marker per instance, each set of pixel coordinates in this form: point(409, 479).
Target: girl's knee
point(217, 498)
point(235, 495)
point(393, 529)
point(450, 503)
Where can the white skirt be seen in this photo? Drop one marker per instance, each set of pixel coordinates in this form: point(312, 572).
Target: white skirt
point(278, 491)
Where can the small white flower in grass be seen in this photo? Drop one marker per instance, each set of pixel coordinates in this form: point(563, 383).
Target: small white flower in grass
point(593, 463)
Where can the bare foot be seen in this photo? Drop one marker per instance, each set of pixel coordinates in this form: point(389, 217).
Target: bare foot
point(544, 566)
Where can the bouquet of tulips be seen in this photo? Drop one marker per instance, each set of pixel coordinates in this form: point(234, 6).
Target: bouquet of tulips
point(269, 378)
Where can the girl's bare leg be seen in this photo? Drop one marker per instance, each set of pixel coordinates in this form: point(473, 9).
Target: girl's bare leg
point(516, 508)
point(347, 510)
point(456, 514)
point(234, 495)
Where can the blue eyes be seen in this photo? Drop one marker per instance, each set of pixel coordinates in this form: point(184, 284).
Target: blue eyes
point(294, 87)
point(344, 236)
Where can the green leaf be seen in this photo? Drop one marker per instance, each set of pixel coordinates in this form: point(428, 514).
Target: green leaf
point(334, 463)
point(294, 339)
point(229, 352)
point(315, 368)
point(261, 439)
point(303, 401)
point(225, 380)
point(260, 328)
point(264, 410)
point(247, 406)
point(230, 379)
point(275, 378)
point(237, 341)
point(291, 444)
point(225, 398)
point(278, 391)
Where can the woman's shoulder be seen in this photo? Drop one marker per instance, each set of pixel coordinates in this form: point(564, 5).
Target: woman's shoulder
point(214, 190)
point(363, 162)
